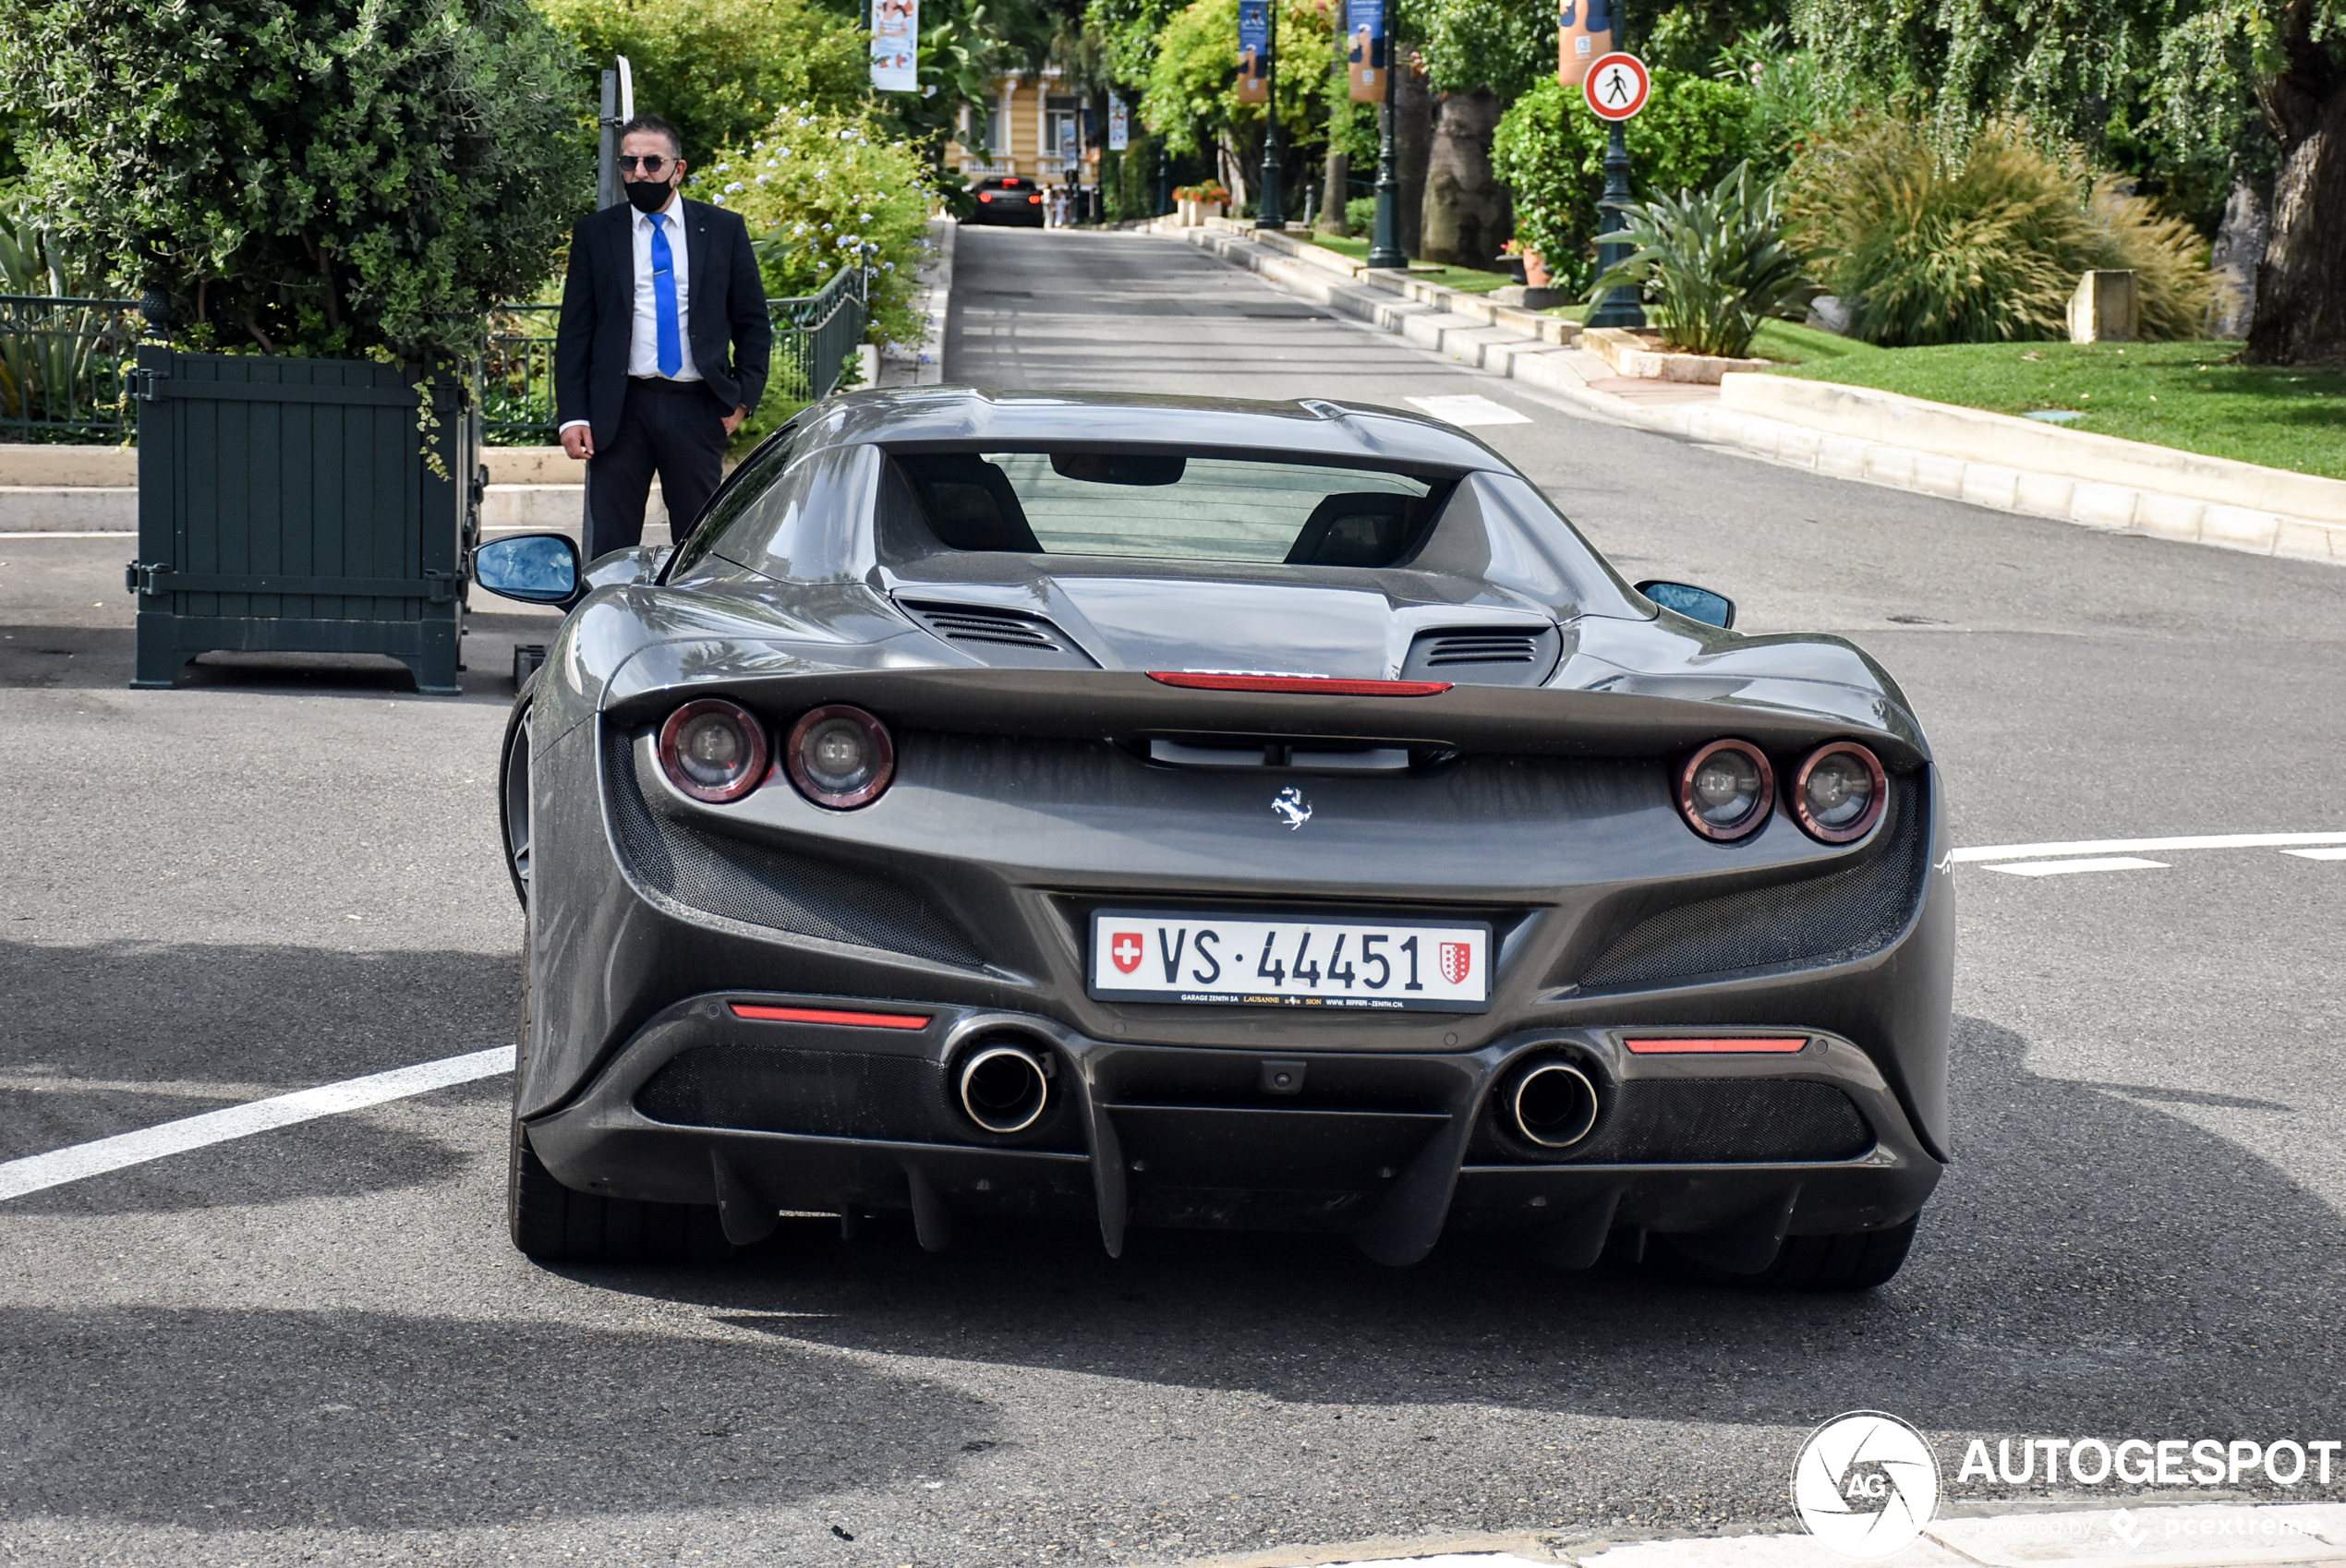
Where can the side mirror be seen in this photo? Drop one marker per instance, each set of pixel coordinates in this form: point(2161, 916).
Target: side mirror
point(533, 568)
point(1694, 604)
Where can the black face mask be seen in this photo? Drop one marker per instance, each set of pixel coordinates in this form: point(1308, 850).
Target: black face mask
point(648, 196)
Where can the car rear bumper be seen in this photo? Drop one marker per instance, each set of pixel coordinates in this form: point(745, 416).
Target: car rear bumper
point(1732, 1151)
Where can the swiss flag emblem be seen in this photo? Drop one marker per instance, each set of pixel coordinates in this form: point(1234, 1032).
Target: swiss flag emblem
point(1124, 952)
point(1458, 961)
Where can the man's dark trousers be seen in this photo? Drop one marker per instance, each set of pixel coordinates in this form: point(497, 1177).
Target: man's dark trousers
point(675, 428)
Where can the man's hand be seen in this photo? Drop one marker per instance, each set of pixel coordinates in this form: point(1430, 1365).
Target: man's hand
point(579, 442)
point(733, 420)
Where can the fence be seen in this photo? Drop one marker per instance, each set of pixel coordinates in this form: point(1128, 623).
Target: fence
point(63, 363)
point(813, 336)
point(62, 368)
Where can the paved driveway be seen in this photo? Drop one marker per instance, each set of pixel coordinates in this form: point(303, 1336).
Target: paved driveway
point(315, 1345)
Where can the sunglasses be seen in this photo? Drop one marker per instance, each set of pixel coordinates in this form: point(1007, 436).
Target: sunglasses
point(653, 164)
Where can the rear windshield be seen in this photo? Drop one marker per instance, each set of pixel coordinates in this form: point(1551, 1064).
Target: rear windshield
point(1175, 508)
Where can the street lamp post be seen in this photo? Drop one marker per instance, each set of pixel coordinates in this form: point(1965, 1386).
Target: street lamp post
point(1164, 177)
point(1271, 212)
point(1620, 307)
point(1384, 239)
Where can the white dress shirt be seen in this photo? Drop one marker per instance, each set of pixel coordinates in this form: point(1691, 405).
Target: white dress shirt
point(643, 348)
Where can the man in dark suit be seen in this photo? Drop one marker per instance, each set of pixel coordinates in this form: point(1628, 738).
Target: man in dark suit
point(664, 343)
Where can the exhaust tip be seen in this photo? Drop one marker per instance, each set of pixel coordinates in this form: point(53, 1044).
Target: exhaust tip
point(1004, 1088)
point(1553, 1105)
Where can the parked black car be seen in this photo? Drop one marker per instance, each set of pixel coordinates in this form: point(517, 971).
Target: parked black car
point(1193, 812)
point(1006, 198)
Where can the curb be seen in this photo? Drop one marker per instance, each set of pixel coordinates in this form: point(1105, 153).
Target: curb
point(1524, 346)
point(924, 365)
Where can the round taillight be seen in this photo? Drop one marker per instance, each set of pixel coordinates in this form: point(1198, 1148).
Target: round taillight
point(839, 757)
point(713, 750)
point(1726, 789)
point(1839, 792)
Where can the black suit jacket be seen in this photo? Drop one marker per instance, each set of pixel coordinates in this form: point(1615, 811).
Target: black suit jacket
point(730, 336)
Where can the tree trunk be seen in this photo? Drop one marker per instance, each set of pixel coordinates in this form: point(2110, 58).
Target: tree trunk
point(2301, 285)
point(2239, 245)
point(1334, 189)
point(1413, 147)
point(1465, 207)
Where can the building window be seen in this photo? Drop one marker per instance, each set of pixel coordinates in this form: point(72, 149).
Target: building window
point(1058, 126)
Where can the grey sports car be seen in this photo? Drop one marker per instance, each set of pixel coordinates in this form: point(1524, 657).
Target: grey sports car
point(1172, 812)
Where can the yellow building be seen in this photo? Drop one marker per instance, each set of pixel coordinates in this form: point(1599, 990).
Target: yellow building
point(1035, 130)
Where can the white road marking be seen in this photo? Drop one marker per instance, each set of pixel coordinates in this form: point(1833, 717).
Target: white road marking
point(1470, 409)
point(2336, 854)
point(37, 1172)
point(2066, 868)
point(2147, 846)
point(69, 534)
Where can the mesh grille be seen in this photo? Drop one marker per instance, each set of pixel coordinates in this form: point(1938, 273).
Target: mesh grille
point(1498, 647)
point(1708, 1121)
point(761, 885)
point(970, 623)
point(1823, 920)
point(820, 1094)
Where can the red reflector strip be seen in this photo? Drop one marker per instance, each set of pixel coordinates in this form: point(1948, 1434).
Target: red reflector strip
point(1775, 1044)
point(1323, 687)
point(828, 1014)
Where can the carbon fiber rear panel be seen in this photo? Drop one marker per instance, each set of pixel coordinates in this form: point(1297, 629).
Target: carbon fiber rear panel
point(824, 1094)
point(761, 885)
point(1825, 920)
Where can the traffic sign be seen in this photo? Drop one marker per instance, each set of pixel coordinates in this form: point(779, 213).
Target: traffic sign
point(1618, 86)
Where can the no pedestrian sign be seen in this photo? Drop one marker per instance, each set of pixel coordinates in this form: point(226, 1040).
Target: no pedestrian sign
point(1617, 86)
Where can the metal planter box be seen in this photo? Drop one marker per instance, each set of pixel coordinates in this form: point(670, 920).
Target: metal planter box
point(285, 505)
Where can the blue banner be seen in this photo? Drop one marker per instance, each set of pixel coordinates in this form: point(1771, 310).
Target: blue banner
point(1254, 26)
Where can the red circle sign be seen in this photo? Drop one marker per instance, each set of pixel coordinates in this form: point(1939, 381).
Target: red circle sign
point(1617, 86)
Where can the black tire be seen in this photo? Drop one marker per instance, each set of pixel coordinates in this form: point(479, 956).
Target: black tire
point(513, 789)
point(1852, 1260)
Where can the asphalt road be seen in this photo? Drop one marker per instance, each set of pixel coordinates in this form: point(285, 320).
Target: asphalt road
point(315, 1345)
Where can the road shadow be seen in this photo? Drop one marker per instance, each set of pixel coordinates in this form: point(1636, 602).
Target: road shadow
point(2092, 1263)
point(82, 1028)
point(371, 1420)
point(71, 657)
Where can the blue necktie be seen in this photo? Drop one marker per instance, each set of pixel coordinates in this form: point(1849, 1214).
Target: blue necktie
point(671, 346)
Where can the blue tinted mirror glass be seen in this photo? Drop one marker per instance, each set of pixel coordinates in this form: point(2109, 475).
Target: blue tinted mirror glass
point(1694, 604)
point(534, 568)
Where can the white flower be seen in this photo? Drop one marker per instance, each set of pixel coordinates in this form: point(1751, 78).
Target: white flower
point(763, 178)
point(734, 186)
point(826, 228)
point(718, 200)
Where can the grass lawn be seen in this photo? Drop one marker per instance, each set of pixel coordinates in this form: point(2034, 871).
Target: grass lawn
point(2187, 395)
point(1466, 280)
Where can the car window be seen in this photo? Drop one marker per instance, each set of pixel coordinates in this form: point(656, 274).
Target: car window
point(741, 488)
point(1171, 507)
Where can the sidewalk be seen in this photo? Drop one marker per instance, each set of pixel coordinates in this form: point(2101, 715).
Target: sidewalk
point(2191, 1536)
point(1960, 454)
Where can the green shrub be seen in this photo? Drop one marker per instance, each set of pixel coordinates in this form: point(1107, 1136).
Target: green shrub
point(331, 177)
point(1360, 216)
point(822, 190)
point(1983, 241)
point(1550, 151)
point(718, 70)
point(1717, 261)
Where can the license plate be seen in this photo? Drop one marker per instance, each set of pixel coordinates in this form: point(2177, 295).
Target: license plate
point(1144, 955)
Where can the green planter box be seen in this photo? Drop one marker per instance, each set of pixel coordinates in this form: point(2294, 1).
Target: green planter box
point(285, 505)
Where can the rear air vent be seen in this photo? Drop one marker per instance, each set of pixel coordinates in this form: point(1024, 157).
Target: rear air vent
point(1484, 655)
point(999, 636)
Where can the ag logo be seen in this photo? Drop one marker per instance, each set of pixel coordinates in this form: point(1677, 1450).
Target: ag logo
point(1866, 1485)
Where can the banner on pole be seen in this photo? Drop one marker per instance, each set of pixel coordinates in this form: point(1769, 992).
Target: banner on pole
point(1254, 51)
point(1584, 36)
point(896, 49)
point(1364, 49)
point(1120, 125)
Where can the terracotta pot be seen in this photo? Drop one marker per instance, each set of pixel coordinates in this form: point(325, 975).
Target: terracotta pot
point(1535, 272)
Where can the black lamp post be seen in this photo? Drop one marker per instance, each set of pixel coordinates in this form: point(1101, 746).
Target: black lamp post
point(1271, 212)
point(1164, 177)
point(1620, 306)
point(1385, 238)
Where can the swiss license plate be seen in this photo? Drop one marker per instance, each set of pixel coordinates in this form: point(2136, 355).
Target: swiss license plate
point(1306, 961)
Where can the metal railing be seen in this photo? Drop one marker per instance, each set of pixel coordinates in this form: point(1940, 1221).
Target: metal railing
point(814, 336)
point(62, 368)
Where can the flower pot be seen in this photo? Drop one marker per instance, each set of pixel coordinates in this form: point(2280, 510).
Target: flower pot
point(1535, 270)
point(1211, 209)
point(1189, 212)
